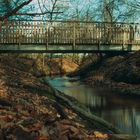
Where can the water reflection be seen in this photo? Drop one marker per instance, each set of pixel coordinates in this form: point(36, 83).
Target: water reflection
point(123, 112)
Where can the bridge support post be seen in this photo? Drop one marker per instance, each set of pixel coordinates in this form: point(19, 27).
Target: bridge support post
point(61, 65)
point(43, 60)
point(19, 42)
point(98, 47)
point(51, 56)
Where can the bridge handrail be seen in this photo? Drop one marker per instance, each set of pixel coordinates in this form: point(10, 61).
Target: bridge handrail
point(72, 21)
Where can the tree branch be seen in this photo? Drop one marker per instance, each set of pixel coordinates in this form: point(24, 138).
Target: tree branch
point(36, 14)
point(14, 11)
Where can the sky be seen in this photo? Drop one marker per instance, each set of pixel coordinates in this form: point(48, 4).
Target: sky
point(78, 9)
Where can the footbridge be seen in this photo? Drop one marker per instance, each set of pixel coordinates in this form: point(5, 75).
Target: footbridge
point(68, 37)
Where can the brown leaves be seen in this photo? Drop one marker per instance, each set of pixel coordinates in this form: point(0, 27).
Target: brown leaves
point(43, 138)
point(24, 115)
point(100, 135)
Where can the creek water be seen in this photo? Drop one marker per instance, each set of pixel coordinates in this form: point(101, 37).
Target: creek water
point(122, 112)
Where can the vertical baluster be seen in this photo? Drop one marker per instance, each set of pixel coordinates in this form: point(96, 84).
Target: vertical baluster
point(19, 33)
point(62, 28)
point(59, 32)
point(31, 31)
point(26, 32)
point(120, 34)
point(94, 33)
point(27, 40)
point(41, 32)
point(8, 31)
point(31, 26)
point(115, 41)
point(74, 33)
point(38, 30)
point(128, 33)
point(125, 34)
point(118, 37)
point(23, 32)
point(67, 39)
point(46, 36)
point(59, 37)
point(97, 33)
point(64, 36)
point(13, 31)
point(63, 31)
point(0, 31)
point(36, 38)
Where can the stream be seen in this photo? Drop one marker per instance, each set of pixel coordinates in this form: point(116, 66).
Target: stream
point(122, 112)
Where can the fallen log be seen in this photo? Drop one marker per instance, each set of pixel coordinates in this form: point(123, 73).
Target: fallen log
point(123, 137)
point(91, 119)
point(96, 121)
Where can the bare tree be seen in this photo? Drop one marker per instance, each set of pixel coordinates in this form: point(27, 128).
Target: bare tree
point(120, 10)
point(54, 8)
point(27, 8)
point(9, 11)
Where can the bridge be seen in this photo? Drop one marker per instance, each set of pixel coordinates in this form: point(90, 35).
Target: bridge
point(68, 37)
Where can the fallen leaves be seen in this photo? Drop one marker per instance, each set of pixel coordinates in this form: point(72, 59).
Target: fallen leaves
point(100, 135)
point(25, 115)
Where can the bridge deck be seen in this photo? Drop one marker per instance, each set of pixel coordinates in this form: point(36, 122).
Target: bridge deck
point(112, 52)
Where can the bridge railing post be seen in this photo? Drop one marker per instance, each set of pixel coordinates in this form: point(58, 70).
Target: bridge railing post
point(74, 36)
point(47, 36)
point(131, 37)
point(18, 35)
point(99, 36)
point(123, 44)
